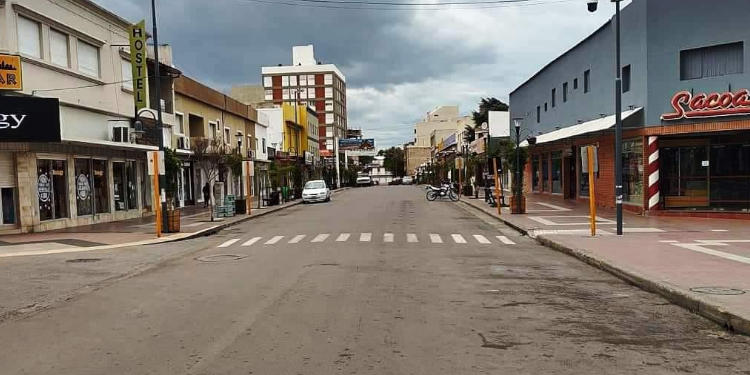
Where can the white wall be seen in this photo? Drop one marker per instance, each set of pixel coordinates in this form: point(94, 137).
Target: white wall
point(275, 126)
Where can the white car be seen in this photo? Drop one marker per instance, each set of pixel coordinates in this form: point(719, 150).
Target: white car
point(364, 181)
point(316, 191)
point(407, 180)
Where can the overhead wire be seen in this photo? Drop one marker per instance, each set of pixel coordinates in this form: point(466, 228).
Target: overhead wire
point(406, 6)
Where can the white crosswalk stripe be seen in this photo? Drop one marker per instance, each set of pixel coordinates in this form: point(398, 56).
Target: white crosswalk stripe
point(457, 238)
point(320, 237)
point(435, 238)
point(274, 240)
point(365, 237)
point(251, 241)
point(297, 238)
point(343, 237)
point(388, 237)
point(505, 240)
point(481, 239)
point(229, 242)
point(411, 238)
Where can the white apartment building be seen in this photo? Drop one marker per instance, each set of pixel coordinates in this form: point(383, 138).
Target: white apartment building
point(322, 86)
point(89, 166)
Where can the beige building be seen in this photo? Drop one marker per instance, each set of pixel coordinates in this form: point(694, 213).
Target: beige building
point(205, 113)
point(437, 125)
point(92, 169)
point(415, 156)
point(250, 94)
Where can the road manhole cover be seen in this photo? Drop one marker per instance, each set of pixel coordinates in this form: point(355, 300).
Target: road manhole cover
point(83, 260)
point(718, 290)
point(220, 258)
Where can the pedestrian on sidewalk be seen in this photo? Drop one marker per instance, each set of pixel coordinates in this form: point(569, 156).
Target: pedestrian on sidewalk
point(206, 194)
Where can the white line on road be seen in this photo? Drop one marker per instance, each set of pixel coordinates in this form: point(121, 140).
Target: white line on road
point(365, 237)
point(435, 238)
point(388, 237)
point(669, 241)
point(701, 249)
point(251, 241)
point(343, 237)
point(457, 238)
point(297, 238)
point(505, 240)
point(274, 240)
point(481, 239)
point(411, 238)
point(320, 238)
point(229, 242)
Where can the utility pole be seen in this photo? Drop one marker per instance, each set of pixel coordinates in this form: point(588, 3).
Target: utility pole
point(336, 151)
point(618, 125)
point(159, 122)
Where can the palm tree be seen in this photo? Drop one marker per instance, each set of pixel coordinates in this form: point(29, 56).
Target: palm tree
point(470, 134)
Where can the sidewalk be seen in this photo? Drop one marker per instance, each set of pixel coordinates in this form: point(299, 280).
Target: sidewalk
point(195, 222)
point(700, 264)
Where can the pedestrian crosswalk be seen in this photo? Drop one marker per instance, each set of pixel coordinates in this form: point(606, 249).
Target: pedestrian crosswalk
point(388, 238)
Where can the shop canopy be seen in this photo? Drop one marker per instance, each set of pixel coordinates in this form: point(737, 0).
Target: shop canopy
point(592, 126)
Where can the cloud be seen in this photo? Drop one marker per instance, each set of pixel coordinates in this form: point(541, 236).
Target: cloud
point(399, 64)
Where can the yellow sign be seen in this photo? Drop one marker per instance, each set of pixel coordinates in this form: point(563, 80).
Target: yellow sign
point(138, 58)
point(459, 163)
point(10, 72)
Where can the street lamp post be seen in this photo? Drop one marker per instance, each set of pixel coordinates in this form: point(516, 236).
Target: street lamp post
point(517, 180)
point(159, 123)
point(592, 5)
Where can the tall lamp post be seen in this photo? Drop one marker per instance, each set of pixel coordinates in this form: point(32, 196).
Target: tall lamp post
point(159, 123)
point(517, 179)
point(592, 6)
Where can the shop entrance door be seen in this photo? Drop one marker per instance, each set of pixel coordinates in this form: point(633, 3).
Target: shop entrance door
point(570, 176)
point(684, 176)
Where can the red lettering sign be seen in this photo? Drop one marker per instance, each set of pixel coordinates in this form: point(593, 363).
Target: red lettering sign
point(687, 105)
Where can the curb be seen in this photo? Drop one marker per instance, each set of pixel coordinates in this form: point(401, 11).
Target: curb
point(708, 310)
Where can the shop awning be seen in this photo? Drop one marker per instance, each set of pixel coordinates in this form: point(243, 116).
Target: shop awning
point(599, 124)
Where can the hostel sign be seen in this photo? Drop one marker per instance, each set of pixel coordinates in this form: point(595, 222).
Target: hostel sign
point(138, 58)
point(10, 72)
point(702, 105)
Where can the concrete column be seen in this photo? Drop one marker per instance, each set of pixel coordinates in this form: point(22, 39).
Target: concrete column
point(27, 193)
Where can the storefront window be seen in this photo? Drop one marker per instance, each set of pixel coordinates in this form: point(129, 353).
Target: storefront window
point(730, 176)
point(146, 188)
point(118, 178)
point(52, 189)
point(556, 172)
point(83, 187)
point(583, 177)
point(545, 173)
point(632, 170)
point(684, 176)
point(7, 198)
point(101, 186)
point(132, 185)
point(535, 173)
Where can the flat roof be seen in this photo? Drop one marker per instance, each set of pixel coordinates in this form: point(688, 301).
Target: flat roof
point(322, 68)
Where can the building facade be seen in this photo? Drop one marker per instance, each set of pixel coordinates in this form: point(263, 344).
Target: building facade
point(685, 80)
point(306, 81)
point(94, 171)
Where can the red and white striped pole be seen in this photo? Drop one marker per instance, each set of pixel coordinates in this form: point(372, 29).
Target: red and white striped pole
point(653, 173)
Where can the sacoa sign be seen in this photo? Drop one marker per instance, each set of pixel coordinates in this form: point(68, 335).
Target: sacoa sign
point(687, 105)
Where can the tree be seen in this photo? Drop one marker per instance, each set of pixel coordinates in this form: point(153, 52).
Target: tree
point(469, 134)
point(485, 106)
point(213, 157)
point(394, 161)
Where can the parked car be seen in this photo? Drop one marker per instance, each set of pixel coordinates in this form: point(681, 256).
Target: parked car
point(364, 181)
point(395, 181)
point(316, 191)
point(407, 180)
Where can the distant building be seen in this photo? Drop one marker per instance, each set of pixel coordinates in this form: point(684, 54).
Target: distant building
point(307, 81)
point(442, 123)
point(249, 94)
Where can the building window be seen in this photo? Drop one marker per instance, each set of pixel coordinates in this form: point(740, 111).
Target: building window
point(328, 79)
point(575, 83)
point(713, 61)
point(29, 41)
point(88, 59)
point(180, 120)
point(8, 201)
point(556, 172)
point(212, 130)
point(268, 94)
point(565, 92)
point(554, 92)
point(101, 186)
point(52, 189)
point(535, 173)
point(58, 48)
point(632, 170)
point(329, 118)
point(538, 114)
point(545, 106)
point(123, 176)
point(586, 81)
point(583, 177)
point(303, 80)
point(285, 81)
point(267, 81)
point(83, 181)
point(127, 74)
point(626, 78)
point(293, 81)
point(329, 92)
point(545, 172)
point(226, 135)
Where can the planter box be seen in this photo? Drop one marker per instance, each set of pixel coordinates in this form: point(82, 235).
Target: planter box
point(173, 221)
point(518, 206)
point(240, 206)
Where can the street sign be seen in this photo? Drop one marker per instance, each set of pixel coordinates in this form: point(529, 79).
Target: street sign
point(151, 156)
point(459, 163)
point(584, 157)
point(138, 59)
point(248, 168)
point(10, 72)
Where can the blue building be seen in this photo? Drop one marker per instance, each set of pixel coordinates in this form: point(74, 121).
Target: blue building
point(686, 110)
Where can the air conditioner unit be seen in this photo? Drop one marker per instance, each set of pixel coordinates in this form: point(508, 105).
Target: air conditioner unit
point(120, 133)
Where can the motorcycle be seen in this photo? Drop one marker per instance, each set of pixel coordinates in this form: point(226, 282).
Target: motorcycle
point(444, 191)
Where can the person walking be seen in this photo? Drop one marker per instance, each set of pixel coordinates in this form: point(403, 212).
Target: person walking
point(206, 194)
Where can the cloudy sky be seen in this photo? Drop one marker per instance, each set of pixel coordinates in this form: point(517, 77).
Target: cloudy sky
point(399, 62)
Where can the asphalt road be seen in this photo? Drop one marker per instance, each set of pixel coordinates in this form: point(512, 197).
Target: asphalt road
point(378, 281)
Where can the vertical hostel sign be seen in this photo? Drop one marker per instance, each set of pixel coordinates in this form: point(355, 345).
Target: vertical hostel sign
point(138, 57)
